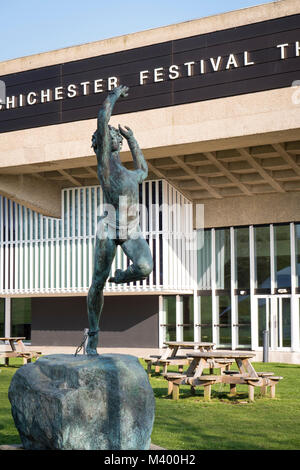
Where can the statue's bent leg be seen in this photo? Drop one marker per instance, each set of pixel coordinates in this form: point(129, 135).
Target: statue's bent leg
point(105, 250)
point(139, 253)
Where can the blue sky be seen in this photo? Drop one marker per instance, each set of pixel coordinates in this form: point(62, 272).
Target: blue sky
point(32, 26)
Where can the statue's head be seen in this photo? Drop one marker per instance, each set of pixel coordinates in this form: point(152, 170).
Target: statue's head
point(116, 138)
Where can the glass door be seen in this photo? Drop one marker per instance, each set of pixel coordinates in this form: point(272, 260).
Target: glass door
point(170, 318)
point(188, 318)
point(274, 315)
point(284, 322)
point(223, 325)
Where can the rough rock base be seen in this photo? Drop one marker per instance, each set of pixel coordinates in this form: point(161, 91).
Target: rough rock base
point(84, 402)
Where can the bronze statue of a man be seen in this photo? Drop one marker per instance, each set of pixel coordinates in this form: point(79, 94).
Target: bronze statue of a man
point(119, 226)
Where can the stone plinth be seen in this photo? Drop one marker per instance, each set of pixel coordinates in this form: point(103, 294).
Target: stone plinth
point(84, 402)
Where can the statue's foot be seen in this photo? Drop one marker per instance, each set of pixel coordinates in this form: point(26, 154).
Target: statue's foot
point(91, 352)
point(117, 278)
point(121, 277)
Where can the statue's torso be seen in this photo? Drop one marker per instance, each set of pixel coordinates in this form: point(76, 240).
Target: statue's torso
point(121, 192)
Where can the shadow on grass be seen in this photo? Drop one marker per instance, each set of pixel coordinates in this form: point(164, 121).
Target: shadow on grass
point(290, 366)
point(13, 366)
point(221, 396)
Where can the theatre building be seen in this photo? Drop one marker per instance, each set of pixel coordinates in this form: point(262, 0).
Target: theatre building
point(215, 106)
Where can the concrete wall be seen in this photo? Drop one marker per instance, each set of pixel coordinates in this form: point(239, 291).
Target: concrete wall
point(245, 210)
point(130, 321)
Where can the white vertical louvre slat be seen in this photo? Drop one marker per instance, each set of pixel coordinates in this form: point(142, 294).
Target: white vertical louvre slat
point(73, 239)
point(42, 250)
point(25, 248)
point(169, 236)
point(143, 223)
point(36, 254)
point(94, 228)
point(85, 283)
point(175, 239)
point(165, 234)
point(68, 259)
point(6, 245)
point(14, 245)
point(157, 254)
point(52, 257)
point(31, 252)
point(11, 246)
point(63, 244)
point(79, 246)
point(46, 244)
point(17, 249)
point(57, 257)
point(182, 260)
point(90, 237)
point(1, 246)
point(150, 229)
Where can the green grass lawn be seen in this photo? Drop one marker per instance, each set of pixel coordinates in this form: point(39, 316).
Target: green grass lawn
point(224, 423)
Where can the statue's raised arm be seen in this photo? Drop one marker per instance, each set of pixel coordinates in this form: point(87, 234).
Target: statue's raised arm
point(141, 167)
point(101, 141)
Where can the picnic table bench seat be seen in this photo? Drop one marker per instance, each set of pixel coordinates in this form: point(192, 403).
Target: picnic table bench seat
point(265, 374)
point(152, 360)
point(27, 356)
point(175, 380)
point(179, 361)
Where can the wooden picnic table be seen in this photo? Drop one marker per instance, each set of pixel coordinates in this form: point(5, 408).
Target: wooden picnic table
point(246, 373)
point(174, 346)
point(17, 349)
point(170, 356)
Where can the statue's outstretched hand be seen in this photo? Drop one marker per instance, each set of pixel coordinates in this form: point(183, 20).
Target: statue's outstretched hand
point(121, 90)
point(127, 134)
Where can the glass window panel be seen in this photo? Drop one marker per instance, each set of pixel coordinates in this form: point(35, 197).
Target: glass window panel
point(263, 320)
point(2, 316)
point(170, 309)
point(282, 256)
point(262, 257)
point(297, 240)
point(244, 320)
point(284, 322)
point(223, 269)
point(224, 319)
point(76, 210)
point(21, 318)
point(242, 257)
point(188, 318)
point(87, 212)
point(206, 318)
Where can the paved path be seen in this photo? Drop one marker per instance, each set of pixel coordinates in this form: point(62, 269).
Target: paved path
point(138, 352)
